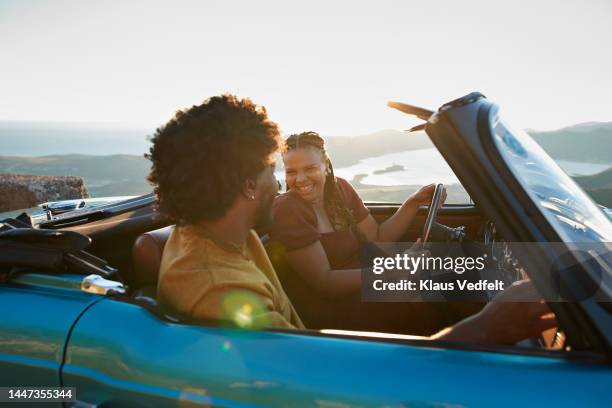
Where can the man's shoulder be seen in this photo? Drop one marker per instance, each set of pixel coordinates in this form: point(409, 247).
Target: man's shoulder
point(186, 250)
point(193, 262)
point(254, 242)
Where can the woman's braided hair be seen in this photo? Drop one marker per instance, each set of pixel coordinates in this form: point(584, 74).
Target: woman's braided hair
point(339, 214)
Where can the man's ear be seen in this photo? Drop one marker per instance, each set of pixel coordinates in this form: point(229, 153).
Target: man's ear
point(249, 188)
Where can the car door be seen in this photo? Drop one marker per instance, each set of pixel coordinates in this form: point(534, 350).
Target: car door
point(38, 312)
point(121, 354)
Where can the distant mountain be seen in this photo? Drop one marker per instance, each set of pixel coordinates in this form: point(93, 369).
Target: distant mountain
point(124, 174)
point(23, 138)
point(589, 142)
point(586, 142)
point(599, 187)
point(346, 151)
point(34, 139)
point(588, 126)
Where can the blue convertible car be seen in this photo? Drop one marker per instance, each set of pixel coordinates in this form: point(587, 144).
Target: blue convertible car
point(79, 309)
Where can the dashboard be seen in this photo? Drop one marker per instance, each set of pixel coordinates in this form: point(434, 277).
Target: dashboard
point(501, 263)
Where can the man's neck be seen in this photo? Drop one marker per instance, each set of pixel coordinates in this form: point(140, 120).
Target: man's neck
point(232, 228)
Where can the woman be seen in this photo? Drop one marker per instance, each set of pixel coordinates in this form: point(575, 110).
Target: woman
point(322, 223)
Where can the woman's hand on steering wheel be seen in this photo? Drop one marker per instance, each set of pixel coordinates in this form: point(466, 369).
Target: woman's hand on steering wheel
point(437, 200)
point(424, 195)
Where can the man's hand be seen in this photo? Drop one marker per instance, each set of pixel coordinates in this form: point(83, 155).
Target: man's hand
point(516, 314)
point(513, 315)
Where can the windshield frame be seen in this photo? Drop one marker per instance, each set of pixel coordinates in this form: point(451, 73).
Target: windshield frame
point(600, 313)
point(590, 216)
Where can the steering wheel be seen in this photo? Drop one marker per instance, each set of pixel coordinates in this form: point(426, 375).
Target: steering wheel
point(432, 212)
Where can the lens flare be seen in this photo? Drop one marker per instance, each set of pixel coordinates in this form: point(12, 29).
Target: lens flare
point(246, 309)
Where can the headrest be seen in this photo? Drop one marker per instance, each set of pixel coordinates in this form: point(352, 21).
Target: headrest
point(147, 254)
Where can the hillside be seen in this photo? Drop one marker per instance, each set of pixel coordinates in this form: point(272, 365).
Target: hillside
point(124, 174)
point(587, 142)
point(599, 180)
point(599, 187)
point(23, 138)
point(346, 151)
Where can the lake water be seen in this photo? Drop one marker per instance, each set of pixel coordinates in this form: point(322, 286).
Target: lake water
point(420, 167)
point(426, 166)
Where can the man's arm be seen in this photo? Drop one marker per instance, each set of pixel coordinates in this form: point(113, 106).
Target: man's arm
point(246, 308)
point(513, 315)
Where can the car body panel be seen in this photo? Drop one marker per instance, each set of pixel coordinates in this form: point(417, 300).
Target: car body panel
point(139, 358)
point(38, 313)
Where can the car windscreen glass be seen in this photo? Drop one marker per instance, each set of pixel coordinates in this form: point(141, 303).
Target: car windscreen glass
point(32, 212)
point(573, 215)
point(73, 206)
point(99, 212)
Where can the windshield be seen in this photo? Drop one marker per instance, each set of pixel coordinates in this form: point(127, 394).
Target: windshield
point(574, 216)
point(51, 210)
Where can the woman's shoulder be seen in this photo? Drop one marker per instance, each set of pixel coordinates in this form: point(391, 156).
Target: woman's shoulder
point(352, 199)
point(294, 223)
point(290, 205)
point(349, 194)
point(346, 187)
point(288, 200)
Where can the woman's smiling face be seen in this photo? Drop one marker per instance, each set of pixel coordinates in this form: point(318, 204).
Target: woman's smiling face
point(305, 172)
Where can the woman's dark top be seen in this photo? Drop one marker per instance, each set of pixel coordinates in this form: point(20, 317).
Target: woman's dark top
point(295, 227)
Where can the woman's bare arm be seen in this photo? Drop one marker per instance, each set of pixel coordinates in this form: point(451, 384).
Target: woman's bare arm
point(312, 265)
point(392, 228)
point(395, 226)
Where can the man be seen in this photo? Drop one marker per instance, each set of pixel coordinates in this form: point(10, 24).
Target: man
point(213, 167)
point(213, 172)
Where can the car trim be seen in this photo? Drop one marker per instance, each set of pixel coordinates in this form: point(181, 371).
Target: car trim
point(574, 355)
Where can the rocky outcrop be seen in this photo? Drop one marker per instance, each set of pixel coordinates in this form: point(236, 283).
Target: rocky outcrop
point(25, 191)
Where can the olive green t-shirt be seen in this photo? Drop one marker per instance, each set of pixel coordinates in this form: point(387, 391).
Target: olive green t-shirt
point(202, 279)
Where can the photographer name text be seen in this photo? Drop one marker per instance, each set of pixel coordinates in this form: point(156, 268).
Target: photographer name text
point(430, 285)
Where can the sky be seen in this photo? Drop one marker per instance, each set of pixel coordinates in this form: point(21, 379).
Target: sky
point(328, 66)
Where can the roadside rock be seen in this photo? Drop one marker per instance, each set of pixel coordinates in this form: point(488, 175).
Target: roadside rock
point(25, 191)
